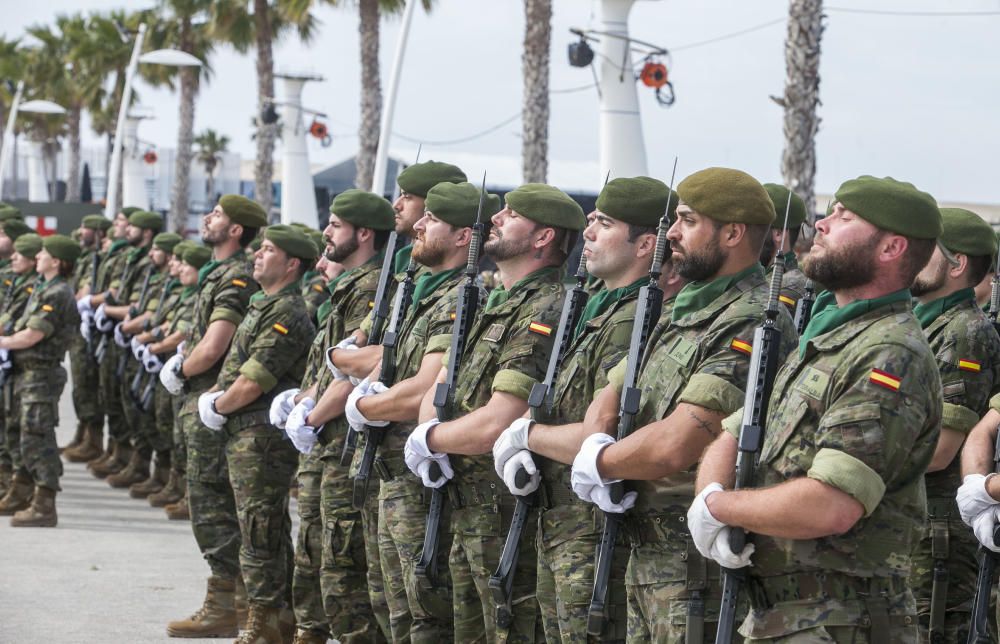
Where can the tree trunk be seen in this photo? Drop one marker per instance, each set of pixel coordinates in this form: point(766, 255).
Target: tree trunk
point(802, 49)
point(185, 134)
point(210, 185)
point(535, 108)
point(73, 165)
point(371, 96)
point(263, 167)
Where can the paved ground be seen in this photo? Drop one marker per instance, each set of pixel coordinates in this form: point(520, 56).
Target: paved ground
point(114, 571)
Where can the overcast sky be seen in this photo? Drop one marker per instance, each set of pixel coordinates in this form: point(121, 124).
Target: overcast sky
point(915, 97)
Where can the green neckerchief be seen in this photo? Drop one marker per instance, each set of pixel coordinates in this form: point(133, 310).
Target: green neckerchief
point(21, 279)
point(292, 287)
point(827, 316)
point(116, 245)
point(375, 259)
point(188, 292)
point(402, 258)
point(4, 263)
point(427, 284)
point(927, 313)
point(603, 300)
point(791, 262)
point(697, 295)
point(213, 264)
point(500, 295)
point(136, 254)
point(308, 276)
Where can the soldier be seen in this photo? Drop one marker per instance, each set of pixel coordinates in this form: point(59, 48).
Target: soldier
point(442, 237)
point(36, 348)
point(506, 354)
point(226, 286)
point(314, 281)
point(620, 240)
point(88, 442)
point(985, 286)
point(268, 351)
point(793, 282)
point(852, 425)
point(414, 183)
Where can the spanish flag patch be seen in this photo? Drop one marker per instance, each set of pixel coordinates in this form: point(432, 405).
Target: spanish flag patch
point(884, 379)
point(742, 346)
point(969, 365)
point(283, 330)
point(7, 282)
point(240, 283)
point(371, 304)
point(787, 300)
point(318, 288)
point(453, 316)
point(47, 308)
point(30, 289)
point(541, 329)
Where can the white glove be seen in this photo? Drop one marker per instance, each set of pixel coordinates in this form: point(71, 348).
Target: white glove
point(513, 465)
point(206, 410)
point(83, 305)
point(281, 406)
point(513, 440)
point(180, 347)
point(86, 320)
point(170, 375)
point(711, 536)
point(584, 476)
point(354, 416)
point(424, 472)
point(973, 498)
point(418, 456)
point(120, 338)
point(151, 362)
point(4, 355)
point(722, 552)
point(983, 526)
point(350, 344)
point(302, 436)
point(137, 348)
point(103, 322)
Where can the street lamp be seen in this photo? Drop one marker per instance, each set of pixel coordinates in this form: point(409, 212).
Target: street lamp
point(34, 107)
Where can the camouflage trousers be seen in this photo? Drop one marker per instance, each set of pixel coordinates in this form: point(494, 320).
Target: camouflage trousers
point(376, 583)
point(141, 424)
point(162, 440)
point(110, 394)
point(86, 383)
point(567, 545)
point(479, 535)
point(262, 464)
point(307, 595)
point(10, 445)
point(416, 610)
point(210, 495)
point(38, 417)
point(178, 455)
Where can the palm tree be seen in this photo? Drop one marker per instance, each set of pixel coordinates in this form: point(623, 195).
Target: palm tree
point(535, 106)
point(11, 69)
point(211, 145)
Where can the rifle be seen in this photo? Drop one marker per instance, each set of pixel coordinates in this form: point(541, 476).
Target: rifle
point(102, 347)
point(764, 362)
point(380, 313)
point(647, 314)
point(387, 376)
point(137, 380)
point(94, 261)
point(542, 396)
point(134, 311)
point(444, 395)
point(803, 308)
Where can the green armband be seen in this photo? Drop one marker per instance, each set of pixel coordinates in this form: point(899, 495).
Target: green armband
point(958, 418)
point(850, 475)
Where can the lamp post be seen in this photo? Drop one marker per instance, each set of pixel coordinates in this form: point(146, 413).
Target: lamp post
point(35, 168)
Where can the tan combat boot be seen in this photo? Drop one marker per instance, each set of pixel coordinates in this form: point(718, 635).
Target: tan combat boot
point(179, 511)
point(262, 626)
point(172, 492)
point(310, 637)
point(116, 462)
point(215, 618)
point(6, 476)
point(92, 446)
point(81, 429)
point(153, 484)
point(18, 497)
point(41, 514)
point(136, 471)
point(240, 603)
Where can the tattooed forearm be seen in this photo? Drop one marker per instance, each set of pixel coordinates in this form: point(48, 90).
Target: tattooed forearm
point(702, 423)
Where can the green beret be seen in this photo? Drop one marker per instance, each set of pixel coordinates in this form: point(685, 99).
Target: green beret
point(14, 228)
point(895, 206)
point(61, 247)
point(197, 256)
point(129, 210)
point(182, 246)
point(966, 232)
point(419, 178)
point(363, 208)
point(243, 211)
point(779, 197)
point(9, 212)
point(291, 240)
point(255, 243)
point(727, 195)
point(96, 222)
point(458, 203)
point(547, 205)
point(146, 220)
point(317, 239)
point(28, 244)
point(640, 201)
point(167, 241)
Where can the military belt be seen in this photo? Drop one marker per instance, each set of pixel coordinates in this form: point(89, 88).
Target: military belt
point(939, 511)
point(238, 422)
point(766, 592)
point(664, 528)
point(467, 493)
point(390, 468)
point(555, 494)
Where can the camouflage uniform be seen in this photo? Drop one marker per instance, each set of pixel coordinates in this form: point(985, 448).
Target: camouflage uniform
point(179, 316)
point(570, 529)
point(793, 282)
point(703, 359)
point(16, 296)
point(136, 291)
point(507, 350)
point(225, 290)
point(313, 292)
point(268, 349)
point(166, 299)
point(83, 366)
point(859, 411)
point(968, 357)
point(39, 377)
point(109, 276)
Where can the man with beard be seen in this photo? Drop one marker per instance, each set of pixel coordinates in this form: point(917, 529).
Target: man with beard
point(692, 376)
point(968, 357)
point(620, 241)
point(331, 544)
point(837, 501)
point(506, 353)
point(225, 287)
point(414, 183)
point(443, 234)
point(793, 282)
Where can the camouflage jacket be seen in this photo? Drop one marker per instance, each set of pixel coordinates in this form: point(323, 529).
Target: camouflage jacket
point(313, 292)
point(15, 297)
point(134, 289)
point(793, 282)
point(51, 309)
point(83, 271)
point(180, 312)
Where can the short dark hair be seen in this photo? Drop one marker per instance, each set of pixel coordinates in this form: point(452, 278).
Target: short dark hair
point(634, 231)
point(66, 268)
point(918, 252)
point(381, 238)
point(977, 268)
point(248, 235)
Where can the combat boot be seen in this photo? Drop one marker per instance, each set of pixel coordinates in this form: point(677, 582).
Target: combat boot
point(116, 462)
point(171, 493)
point(18, 497)
point(6, 476)
point(310, 637)
point(215, 618)
point(262, 626)
point(136, 471)
point(92, 446)
point(179, 511)
point(81, 428)
point(240, 603)
point(41, 514)
point(153, 484)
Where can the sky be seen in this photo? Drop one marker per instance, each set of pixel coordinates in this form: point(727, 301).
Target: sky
point(908, 96)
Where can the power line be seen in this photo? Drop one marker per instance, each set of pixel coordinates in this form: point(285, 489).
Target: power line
point(734, 34)
point(889, 12)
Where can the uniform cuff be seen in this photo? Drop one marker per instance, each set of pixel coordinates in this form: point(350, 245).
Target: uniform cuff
point(958, 418)
point(438, 344)
point(712, 393)
point(733, 423)
point(228, 315)
point(366, 324)
point(616, 376)
point(995, 403)
point(513, 382)
point(40, 324)
point(848, 474)
point(255, 371)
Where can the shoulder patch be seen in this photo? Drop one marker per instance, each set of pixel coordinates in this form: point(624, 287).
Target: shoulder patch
point(240, 283)
point(318, 288)
point(30, 289)
point(7, 282)
point(883, 379)
point(741, 346)
point(541, 329)
point(787, 300)
point(47, 308)
point(280, 328)
point(970, 365)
